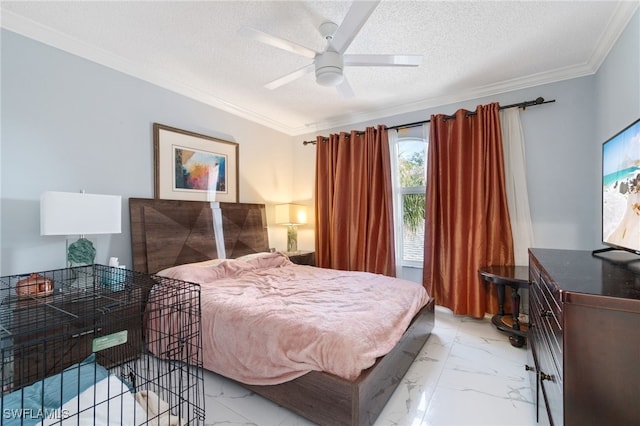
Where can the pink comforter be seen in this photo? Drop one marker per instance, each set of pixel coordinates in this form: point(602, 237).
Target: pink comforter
point(267, 321)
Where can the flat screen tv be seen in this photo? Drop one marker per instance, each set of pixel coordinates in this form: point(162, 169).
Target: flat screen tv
point(621, 190)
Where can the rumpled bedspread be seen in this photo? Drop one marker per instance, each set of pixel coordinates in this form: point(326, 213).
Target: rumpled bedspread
point(267, 321)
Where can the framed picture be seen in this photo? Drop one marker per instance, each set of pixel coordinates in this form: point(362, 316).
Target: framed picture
point(190, 166)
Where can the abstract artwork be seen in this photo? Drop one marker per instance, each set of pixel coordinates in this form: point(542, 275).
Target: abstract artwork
point(190, 166)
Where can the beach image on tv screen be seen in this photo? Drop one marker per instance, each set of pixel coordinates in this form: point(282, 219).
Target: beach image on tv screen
point(621, 189)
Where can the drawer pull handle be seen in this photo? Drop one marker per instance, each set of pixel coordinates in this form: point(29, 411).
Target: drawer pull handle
point(544, 376)
point(84, 333)
point(529, 368)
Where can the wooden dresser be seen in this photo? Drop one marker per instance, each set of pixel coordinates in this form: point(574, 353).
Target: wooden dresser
point(584, 337)
point(52, 333)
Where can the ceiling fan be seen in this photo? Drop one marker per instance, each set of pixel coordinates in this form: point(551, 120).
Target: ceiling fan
point(329, 64)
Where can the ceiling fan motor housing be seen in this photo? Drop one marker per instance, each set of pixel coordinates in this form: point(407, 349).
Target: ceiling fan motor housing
point(329, 67)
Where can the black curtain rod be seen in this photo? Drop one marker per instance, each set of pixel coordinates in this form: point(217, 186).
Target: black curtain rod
point(538, 101)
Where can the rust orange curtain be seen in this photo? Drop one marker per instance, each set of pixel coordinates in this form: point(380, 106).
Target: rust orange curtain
point(467, 218)
point(354, 205)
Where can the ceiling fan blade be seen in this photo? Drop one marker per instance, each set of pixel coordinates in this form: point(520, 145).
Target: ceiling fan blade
point(288, 78)
point(383, 60)
point(352, 23)
point(274, 41)
point(345, 89)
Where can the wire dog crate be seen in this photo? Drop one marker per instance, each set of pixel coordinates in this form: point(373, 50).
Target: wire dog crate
point(74, 348)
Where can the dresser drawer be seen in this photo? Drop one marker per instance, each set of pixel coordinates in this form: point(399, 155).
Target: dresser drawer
point(546, 337)
point(548, 380)
point(43, 356)
point(533, 343)
point(551, 385)
point(547, 325)
point(126, 318)
point(551, 296)
point(548, 294)
point(53, 334)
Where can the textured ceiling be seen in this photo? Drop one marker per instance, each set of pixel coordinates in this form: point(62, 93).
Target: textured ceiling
point(470, 49)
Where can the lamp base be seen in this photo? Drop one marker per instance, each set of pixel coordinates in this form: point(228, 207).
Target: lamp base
point(292, 239)
point(81, 252)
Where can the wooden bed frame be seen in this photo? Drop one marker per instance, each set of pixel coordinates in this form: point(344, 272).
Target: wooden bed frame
point(166, 233)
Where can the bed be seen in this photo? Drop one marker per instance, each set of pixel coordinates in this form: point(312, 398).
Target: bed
point(168, 233)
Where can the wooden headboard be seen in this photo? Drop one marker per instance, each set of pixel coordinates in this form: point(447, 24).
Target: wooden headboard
point(166, 233)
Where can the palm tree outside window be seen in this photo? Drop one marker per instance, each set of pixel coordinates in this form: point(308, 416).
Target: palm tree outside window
point(409, 203)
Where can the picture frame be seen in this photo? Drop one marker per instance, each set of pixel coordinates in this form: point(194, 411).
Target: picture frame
point(194, 167)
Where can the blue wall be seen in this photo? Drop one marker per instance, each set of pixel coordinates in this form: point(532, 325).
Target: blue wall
point(70, 124)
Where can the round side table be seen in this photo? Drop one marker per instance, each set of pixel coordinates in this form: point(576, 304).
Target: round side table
point(516, 277)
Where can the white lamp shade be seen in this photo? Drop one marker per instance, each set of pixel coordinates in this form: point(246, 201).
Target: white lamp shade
point(75, 213)
point(291, 214)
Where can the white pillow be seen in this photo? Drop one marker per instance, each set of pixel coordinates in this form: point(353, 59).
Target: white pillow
point(251, 256)
point(204, 264)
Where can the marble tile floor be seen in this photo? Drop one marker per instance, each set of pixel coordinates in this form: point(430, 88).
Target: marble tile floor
point(466, 374)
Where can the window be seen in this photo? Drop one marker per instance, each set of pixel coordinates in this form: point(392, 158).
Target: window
point(410, 154)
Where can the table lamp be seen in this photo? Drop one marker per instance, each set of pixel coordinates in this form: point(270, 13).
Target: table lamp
point(291, 215)
point(77, 213)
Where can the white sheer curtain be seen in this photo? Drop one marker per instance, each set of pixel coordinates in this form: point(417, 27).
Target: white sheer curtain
point(516, 184)
point(392, 134)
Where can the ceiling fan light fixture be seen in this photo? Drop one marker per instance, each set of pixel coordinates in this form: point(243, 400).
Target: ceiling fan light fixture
point(329, 76)
point(329, 68)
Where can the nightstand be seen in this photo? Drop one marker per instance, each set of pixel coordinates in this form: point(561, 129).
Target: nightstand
point(57, 331)
point(302, 257)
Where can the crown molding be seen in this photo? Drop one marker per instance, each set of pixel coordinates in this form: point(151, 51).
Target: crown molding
point(457, 97)
point(46, 35)
point(28, 28)
point(614, 29)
